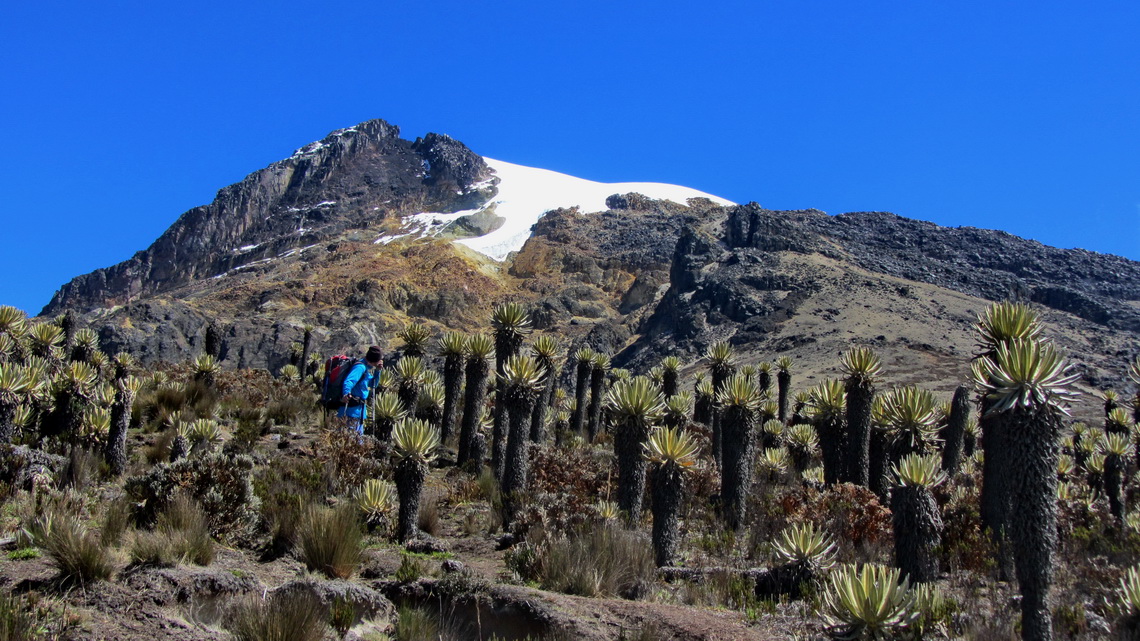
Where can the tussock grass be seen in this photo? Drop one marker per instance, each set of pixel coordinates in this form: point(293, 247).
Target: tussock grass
point(79, 554)
point(600, 561)
point(295, 616)
point(181, 535)
point(329, 541)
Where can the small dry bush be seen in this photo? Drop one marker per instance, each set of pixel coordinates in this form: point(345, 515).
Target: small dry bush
point(605, 560)
point(329, 540)
point(293, 616)
point(78, 554)
point(286, 486)
point(347, 458)
point(851, 514)
point(429, 520)
point(222, 483)
point(565, 484)
point(181, 535)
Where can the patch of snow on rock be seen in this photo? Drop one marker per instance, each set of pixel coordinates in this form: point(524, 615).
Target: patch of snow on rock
point(526, 193)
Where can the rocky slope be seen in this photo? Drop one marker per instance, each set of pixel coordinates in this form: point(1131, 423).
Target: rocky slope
point(296, 243)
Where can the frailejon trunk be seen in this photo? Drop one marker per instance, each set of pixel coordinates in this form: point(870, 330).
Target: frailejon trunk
point(7, 422)
point(830, 431)
point(720, 375)
point(918, 532)
point(597, 389)
point(179, 448)
point(581, 389)
point(954, 436)
point(668, 490)
point(856, 468)
point(1113, 485)
point(409, 476)
point(738, 463)
point(518, 443)
point(995, 494)
point(452, 386)
point(542, 405)
point(506, 345)
point(669, 383)
point(629, 438)
point(473, 399)
point(1032, 435)
point(784, 388)
point(409, 393)
point(879, 474)
point(116, 450)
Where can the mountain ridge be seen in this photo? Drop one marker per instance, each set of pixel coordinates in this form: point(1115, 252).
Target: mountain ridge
point(298, 243)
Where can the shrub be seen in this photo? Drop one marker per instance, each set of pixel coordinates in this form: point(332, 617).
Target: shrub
point(411, 569)
point(221, 482)
point(292, 616)
point(329, 541)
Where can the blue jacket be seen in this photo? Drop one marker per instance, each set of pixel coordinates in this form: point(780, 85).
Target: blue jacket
point(357, 384)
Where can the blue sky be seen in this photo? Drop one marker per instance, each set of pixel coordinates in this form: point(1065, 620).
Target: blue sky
point(1021, 116)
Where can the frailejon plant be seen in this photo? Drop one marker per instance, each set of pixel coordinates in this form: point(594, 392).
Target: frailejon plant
point(415, 337)
point(861, 365)
point(671, 452)
point(545, 350)
point(387, 411)
point(740, 398)
point(410, 371)
point(802, 445)
point(452, 346)
point(678, 407)
point(1117, 452)
point(916, 518)
point(115, 454)
point(374, 500)
point(997, 325)
point(635, 406)
point(829, 411)
point(783, 385)
point(867, 602)
point(15, 385)
point(414, 446)
point(511, 324)
point(597, 396)
point(584, 358)
point(721, 366)
point(804, 555)
point(1128, 605)
point(1029, 384)
point(954, 436)
point(670, 367)
point(521, 379)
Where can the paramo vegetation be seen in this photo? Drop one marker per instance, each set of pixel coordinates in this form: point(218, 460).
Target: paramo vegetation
point(848, 509)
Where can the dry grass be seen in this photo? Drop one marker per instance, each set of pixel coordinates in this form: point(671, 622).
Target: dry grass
point(295, 616)
point(329, 541)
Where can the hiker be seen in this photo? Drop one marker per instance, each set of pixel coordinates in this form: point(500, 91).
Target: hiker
point(358, 384)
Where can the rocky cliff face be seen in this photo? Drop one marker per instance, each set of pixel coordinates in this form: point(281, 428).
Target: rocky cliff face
point(352, 177)
point(810, 284)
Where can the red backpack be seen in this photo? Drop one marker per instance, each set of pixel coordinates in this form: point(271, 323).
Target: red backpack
point(332, 390)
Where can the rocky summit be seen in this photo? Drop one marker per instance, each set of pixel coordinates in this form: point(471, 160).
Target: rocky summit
point(361, 232)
